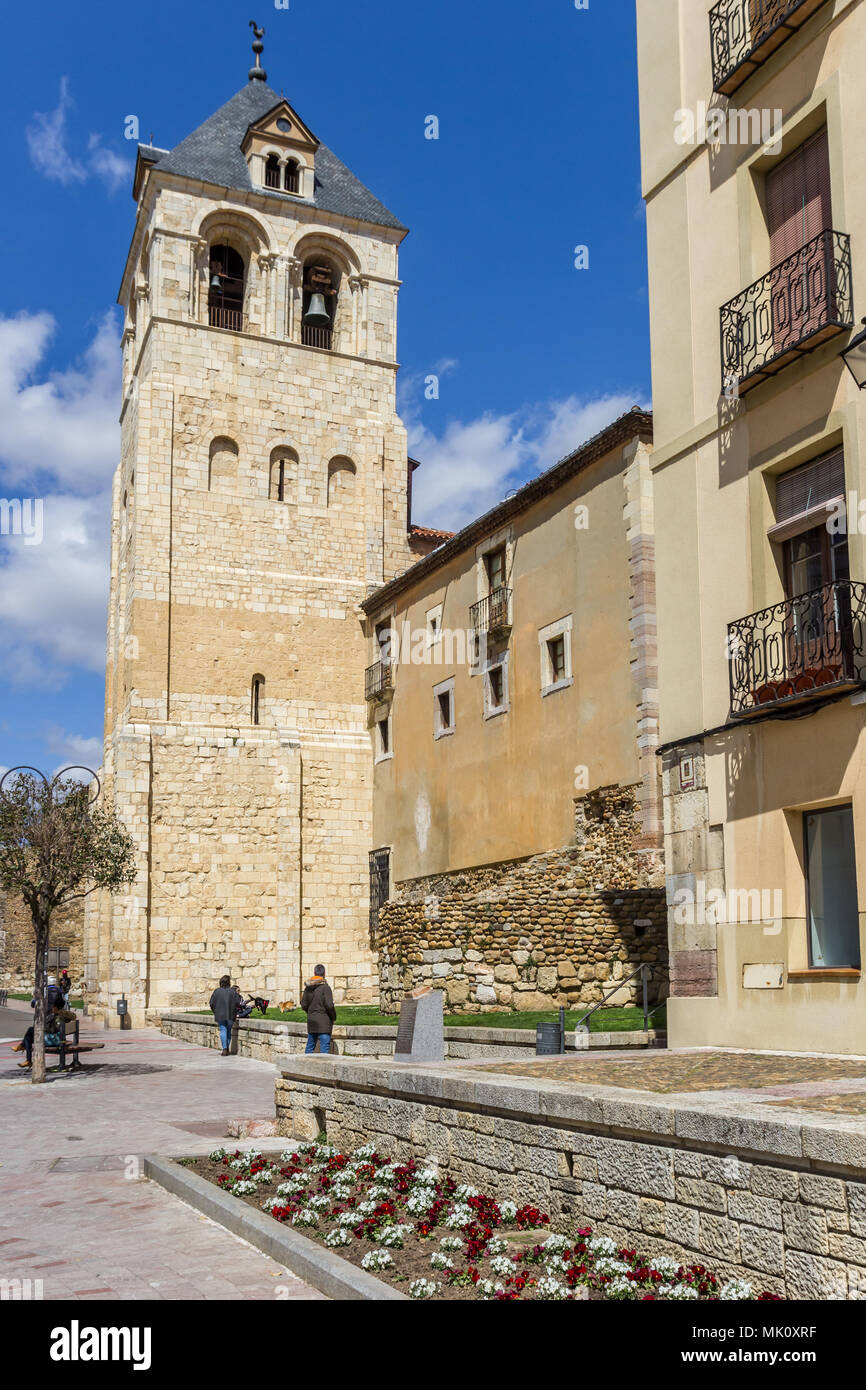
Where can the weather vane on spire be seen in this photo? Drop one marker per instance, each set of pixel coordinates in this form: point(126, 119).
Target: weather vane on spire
point(257, 73)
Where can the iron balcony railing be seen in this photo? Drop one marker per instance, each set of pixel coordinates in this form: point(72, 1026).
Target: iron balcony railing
point(314, 336)
point(378, 680)
point(493, 613)
point(801, 649)
point(220, 317)
point(744, 33)
point(791, 310)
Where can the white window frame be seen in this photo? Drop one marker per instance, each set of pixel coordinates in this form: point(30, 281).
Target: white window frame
point(439, 729)
point(562, 628)
point(492, 711)
point(434, 633)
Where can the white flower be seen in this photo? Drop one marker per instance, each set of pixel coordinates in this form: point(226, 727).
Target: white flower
point(364, 1154)
point(621, 1288)
point(426, 1177)
point(319, 1203)
point(271, 1203)
point(464, 1191)
point(325, 1151)
point(459, 1216)
point(550, 1288)
point(676, 1291)
point(347, 1219)
point(422, 1288)
point(495, 1246)
point(501, 1264)
point(485, 1288)
point(420, 1201)
point(555, 1244)
point(366, 1208)
point(736, 1289)
point(440, 1261)
point(292, 1187)
point(386, 1173)
point(340, 1236)
point(508, 1210)
point(377, 1259)
point(241, 1162)
point(665, 1266)
point(217, 1155)
point(378, 1192)
point(611, 1267)
point(265, 1175)
point(601, 1245)
point(305, 1218)
point(394, 1236)
point(291, 1155)
point(342, 1190)
point(455, 1243)
point(242, 1188)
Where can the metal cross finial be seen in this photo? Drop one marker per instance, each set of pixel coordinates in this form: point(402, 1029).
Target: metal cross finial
point(257, 73)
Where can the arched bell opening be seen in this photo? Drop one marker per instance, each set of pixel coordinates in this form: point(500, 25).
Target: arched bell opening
point(225, 299)
point(321, 294)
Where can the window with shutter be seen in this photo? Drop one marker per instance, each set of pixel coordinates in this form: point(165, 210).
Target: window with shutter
point(822, 480)
point(802, 279)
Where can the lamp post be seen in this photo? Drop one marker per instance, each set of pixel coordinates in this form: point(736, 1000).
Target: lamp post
point(854, 357)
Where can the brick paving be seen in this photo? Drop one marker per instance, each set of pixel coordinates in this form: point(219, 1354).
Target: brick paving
point(74, 1214)
point(678, 1072)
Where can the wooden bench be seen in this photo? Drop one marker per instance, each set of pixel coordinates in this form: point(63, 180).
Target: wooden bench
point(73, 1049)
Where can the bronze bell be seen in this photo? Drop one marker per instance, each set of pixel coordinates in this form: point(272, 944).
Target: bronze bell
point(317, 315)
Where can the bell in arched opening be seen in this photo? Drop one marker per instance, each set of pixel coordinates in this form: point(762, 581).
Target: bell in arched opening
point(320, 304)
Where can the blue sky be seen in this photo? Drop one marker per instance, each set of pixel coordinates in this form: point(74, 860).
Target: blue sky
point(537, 154)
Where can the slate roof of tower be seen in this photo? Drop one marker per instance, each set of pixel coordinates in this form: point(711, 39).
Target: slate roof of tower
point(213, 154)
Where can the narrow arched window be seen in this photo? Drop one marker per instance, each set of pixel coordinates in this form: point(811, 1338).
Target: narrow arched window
point(272, 172)
point(341, 481)
point(225, 300)
point(257, 697)
point(223, 465)
point(283, 476)
point(292, 176)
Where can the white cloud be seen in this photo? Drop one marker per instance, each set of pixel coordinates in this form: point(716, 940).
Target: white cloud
point(72, 750)
point(53, 596)
point(66, 424)
point(48, 144)
point(471, 466)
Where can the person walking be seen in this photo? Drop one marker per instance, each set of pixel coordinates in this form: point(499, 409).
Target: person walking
point(224, 1004)
point(317, 1003)
point(65, 985)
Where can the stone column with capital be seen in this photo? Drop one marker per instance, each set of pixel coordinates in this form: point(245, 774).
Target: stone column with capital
point(359, 286)
point(197, 278)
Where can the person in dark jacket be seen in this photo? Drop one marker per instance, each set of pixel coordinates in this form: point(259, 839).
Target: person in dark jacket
point(317, 1003)
point(224, 1004)
point(55, 1018)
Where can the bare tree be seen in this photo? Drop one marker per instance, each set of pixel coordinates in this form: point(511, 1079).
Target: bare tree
point(56, 845)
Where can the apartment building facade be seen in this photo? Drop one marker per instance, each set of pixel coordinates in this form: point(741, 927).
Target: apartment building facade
point(756, 203)
point(516, 795)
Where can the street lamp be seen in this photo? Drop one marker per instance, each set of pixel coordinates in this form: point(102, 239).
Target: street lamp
point(854, 357)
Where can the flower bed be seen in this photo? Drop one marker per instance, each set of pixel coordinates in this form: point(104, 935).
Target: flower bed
point(434, 1238)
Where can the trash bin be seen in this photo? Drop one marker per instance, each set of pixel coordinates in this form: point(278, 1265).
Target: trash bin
point(548, 1040)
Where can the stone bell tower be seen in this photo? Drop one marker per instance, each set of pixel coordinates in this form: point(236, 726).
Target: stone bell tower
point(261, 491)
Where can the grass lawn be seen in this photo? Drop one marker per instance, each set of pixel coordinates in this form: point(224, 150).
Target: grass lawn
point(73, 1003)
point(602, 1021)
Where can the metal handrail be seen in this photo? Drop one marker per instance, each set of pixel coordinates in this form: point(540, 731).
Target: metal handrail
point(645, 971)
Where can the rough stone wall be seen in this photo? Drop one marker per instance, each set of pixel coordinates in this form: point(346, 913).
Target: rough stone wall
point(17, 942)
point(796, 1233)
point(694, 854)
point(555, 929)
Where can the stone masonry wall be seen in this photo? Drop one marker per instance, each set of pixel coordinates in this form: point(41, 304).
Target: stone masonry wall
point(17, 942)
point(554, 929)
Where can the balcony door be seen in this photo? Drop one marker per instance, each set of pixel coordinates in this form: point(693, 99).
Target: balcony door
point(798, 211)
point(818, 624)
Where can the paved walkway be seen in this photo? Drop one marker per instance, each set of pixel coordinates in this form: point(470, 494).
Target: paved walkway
point(74, 1210)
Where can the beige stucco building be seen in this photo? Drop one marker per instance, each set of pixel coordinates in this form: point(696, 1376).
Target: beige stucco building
point(511, 689)
point(261, 494)
point(757, 260)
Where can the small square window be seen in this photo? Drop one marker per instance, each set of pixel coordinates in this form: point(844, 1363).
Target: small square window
point(444, 710)
point(496, 689)
point(434, 625)
point(554, 643)
point(556, 656)
point(382, 739)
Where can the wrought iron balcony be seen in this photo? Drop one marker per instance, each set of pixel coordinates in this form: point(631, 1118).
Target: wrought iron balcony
point(798, 650)
point(796, 306)
point(218, 316)
point(378, 680)
point(493, 613)
point(744, 33)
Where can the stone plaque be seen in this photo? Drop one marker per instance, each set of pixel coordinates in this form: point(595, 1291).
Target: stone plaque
point(763, 976)
point(421, 1031)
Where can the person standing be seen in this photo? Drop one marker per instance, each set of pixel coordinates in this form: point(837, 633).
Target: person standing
point(224, 1004)
point(65, 987)
point(318, 1004)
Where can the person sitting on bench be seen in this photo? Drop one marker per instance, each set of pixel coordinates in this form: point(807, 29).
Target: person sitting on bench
point(53, 1031)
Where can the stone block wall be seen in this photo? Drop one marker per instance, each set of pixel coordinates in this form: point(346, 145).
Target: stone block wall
point(17, 943)
point(533, 934)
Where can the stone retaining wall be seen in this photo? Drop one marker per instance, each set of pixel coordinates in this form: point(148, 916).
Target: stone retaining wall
point(270, 1041)
point(533, 934)
point(782, 1204)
